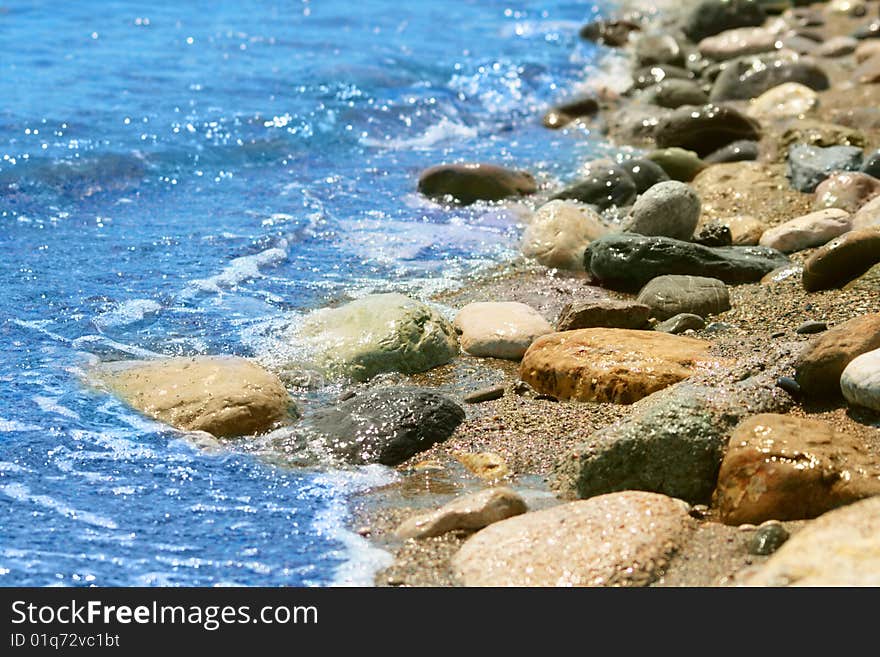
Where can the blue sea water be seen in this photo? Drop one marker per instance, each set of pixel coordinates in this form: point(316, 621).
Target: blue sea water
point(173, 174)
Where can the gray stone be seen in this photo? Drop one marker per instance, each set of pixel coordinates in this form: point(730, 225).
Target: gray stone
point(484, 394)
point(657, 48)
point(811, 326)
point(564, 113)
point(704, 129)
point(714, 234)
point(713, 16)
point(672, 442)
point(738, 151)
point(629, 261)
point(603, 313)
point(648, 76)
point(768, 538)
point(670, 209)
point(469, 513)
point(681, 323)
point(749, 77)
point(382, 425)
point(674, 93)
point(810, 165)
point(668, 296)
point(871, 165)
point(644, 173)
point(838, 46)
point(603, 185)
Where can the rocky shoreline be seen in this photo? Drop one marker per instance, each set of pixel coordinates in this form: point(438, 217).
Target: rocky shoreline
point(678, 384)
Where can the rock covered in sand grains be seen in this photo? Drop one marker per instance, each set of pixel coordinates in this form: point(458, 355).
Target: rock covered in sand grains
point(670, 208)
point(559, 232)
point(705, 129)
point(814, 229)
point(820, 364)
point(468, 183)
point(842, 259)
point(610, 365)
point(576, 544)
point(381, 425)
point(628, 261)
point(603, 313)
point(668, 296)
point(860, 381)
point(840, 548)
point(671, 442)
point(810, 165)
point(499, 329)
point(469, 512)
point(377, 333)
point(781, 467)
point(225, 396)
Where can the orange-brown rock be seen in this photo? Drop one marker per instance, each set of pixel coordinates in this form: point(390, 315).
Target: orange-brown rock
point(819, 366)
point(610, 365)
point(780, 467)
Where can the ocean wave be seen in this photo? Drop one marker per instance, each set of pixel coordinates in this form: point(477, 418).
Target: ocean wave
point(237, 271)
point(21, 493)
point(127, 312)
point(445, 130)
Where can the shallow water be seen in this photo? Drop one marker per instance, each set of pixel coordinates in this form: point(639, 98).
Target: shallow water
point(174, 178)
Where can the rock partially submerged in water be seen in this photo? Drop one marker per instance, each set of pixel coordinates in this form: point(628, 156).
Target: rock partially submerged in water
point(563, 114)
point(468, 513)
point(628, 261)
point(377, 333)
point(575, 544)
point(382, 425)
point(469, 183)
point(840, 548)
point(603, 184)
point(225, 396)
point(610, 365)
point(672, 442)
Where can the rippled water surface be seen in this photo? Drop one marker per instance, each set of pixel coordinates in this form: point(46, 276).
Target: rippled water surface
point(173, 176)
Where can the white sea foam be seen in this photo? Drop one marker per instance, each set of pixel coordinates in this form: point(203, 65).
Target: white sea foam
point(362, 560)
point(22, 493)
point(14, 425)
point(237, 271)
point(127, 312)
point(51, 405)
point(444, 130)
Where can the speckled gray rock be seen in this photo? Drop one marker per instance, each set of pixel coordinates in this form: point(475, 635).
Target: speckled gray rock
point(574, 544)
point(839, 548)
point(469, 512)
point(672, 442)
point(603, 313)
point(603, 184)
point(678, 163)
point(382, 425)
point(810, 165)
point(668, 296)
point(749, 77)
point(675, 93)
point(629, 261)
point(670, 209)
point(681, 323)
point(704, 129)
point(644, 173)
point(714, 16)
point(739, 151)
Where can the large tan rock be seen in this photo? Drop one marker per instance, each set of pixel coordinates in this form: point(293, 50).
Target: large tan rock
point(469, 512)
point(841, 548)
point(819, 366)
point(499, 329)
point(780, 467)
point(559, 232)
point(620, 539)
point(610, 365)
point(814, 229)
point(223, 395)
